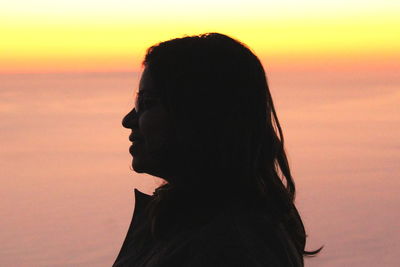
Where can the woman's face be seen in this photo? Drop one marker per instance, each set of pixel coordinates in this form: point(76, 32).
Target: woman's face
point(150, 130)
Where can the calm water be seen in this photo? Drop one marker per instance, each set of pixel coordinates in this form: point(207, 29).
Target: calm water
point(67, 190)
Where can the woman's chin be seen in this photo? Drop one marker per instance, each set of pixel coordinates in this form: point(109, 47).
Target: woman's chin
point(137, 166)
point(141, 166)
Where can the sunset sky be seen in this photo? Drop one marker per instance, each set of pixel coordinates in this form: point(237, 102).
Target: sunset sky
point(58, 36)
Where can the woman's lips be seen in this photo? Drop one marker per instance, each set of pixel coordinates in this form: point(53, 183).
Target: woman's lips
point(133, 147)
point(134, 138)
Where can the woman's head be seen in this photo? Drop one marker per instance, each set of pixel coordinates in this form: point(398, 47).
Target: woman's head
point(214, 92)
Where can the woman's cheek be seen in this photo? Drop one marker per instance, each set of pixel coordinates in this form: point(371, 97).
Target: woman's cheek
point(153, 125)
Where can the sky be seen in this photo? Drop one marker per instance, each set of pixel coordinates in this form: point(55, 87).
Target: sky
point(90, 36)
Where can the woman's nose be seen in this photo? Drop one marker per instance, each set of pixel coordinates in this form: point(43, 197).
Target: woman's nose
point(130, 119)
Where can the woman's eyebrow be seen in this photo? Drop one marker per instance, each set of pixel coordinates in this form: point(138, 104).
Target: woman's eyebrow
point(148, 92)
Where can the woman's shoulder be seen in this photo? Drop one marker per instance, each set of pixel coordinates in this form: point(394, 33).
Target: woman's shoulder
point(244, 236)
point(239, 235)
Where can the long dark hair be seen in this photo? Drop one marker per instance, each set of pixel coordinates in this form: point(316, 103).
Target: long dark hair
point(227, 133)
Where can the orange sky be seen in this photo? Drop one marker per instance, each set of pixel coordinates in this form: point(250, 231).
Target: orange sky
point(48, 36)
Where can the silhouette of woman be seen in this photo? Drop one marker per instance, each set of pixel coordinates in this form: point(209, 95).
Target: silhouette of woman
point(205, 123)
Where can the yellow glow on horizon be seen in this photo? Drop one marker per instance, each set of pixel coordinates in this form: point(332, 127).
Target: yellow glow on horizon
point(109, 35)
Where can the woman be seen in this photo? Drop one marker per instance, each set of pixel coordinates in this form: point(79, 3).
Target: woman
point(205, 123)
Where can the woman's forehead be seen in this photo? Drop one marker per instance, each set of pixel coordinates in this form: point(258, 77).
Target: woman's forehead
point(146, 82)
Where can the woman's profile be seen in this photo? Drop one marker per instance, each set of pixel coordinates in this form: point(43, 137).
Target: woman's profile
point(204, 122)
